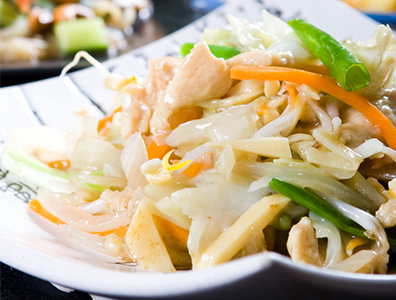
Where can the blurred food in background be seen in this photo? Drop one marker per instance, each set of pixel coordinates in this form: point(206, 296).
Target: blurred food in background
point(373, 6)
point(33, 30)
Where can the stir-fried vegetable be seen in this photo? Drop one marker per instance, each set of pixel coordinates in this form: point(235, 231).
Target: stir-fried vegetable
point(325, 84)
point(35, 206)
point(316, 204)
point(182, 174)
point(81, 34)
point(30, 169)
point(156, 150)
point(345, 68)
point(308, 198)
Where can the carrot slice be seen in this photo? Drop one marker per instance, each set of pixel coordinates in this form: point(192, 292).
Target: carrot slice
point(327, 85)
point(119, 231)
point(193, 169)
point(292, 95)
point(102, 122)
point(184, 116)
point(59, 164)
point(35, 206)
point(157, 150)
point(178, 232)
point(262, 110)
point(321, 69)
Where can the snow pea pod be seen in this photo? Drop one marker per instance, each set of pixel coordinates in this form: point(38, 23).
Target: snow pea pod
point(350, 73)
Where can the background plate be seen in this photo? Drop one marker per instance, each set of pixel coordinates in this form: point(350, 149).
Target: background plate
point(383, 18)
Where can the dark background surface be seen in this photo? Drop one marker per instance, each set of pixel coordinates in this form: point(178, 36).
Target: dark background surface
point(169, 16)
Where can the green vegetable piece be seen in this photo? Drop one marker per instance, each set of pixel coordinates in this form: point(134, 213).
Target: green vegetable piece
point(97, 173)
point(96, 187)
point(8, 13)
point(81, 34)
point(318, 205)
point(308, 198)
point(282, 222)
point(218, 51)
point(345, 68)
point(30, 169)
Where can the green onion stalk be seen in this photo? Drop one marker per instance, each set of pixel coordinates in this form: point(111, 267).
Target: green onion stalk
point(350, 73)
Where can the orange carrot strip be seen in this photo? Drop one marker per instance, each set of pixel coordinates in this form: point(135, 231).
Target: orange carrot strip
point(292, 95)
point(178, 232)
point(119, 231)
point(321, 69)
point(193, 169)
point(262, 110)
point(102, 122)
point(35, 206)
point(59, 164)
point(327, 85)
point(184, 116)
point(156, 150)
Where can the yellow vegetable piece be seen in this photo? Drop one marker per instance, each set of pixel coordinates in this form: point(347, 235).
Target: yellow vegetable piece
point(267, 146)
point(144, 243)
point(116, 82)
point(353, 243)
point(167, 166)
point(234, 238)
point(392, 188)
point(178, 232)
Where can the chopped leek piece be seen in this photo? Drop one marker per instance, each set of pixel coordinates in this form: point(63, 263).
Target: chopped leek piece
point(30, 169)
point(218, 51)
point(345, 68)
point(81, 34)
point(308, 198)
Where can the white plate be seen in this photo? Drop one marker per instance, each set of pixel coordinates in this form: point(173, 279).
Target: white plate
point(37, 247)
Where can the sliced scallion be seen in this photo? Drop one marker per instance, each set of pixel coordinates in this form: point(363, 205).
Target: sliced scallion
point(218, 51)
point(308, 198)
point(343, 66)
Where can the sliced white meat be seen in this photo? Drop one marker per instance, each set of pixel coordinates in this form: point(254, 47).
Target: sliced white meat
point(136, 116)
point(138, 100)
point(356, 128)
point(302, 243)
point(386, 214)
point(202, 76)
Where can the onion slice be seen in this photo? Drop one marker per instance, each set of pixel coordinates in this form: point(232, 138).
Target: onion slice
point(72, 216)
point(97, 243)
